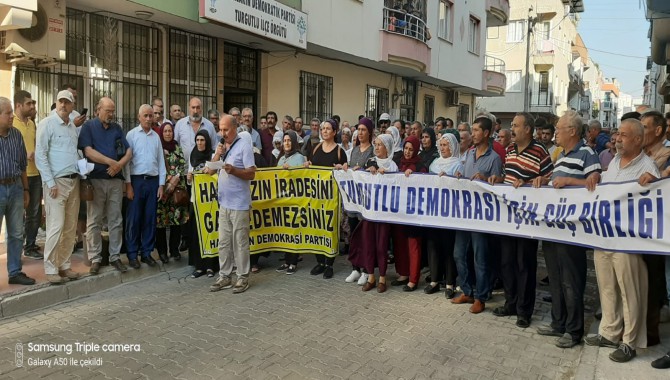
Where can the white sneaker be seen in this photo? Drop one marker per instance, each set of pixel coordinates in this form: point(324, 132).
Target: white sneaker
point(355, 275)
point(665, 314)
point(364, 279)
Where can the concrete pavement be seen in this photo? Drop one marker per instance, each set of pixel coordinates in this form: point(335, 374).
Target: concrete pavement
point(297, 326)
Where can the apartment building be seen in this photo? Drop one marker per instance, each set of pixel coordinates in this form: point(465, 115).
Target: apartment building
point(542, 36)
point(415, 59)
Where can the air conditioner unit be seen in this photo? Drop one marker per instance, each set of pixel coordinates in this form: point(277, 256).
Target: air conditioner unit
point(394, 113)
point(45, 39)
point(451, 98)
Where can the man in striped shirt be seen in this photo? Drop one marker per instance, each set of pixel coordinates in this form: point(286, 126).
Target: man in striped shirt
point(526, 159)
point(577, 165)
point(14, 194)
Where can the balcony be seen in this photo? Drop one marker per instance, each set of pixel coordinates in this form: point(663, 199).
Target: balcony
point(403, 41)
point(543, 102)
point(405, 24)
point(494, 81)
point(497, 12)
point(607, 105)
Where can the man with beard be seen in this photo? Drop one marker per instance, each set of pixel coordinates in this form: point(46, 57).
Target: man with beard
point(184, 134)
point(314, 138)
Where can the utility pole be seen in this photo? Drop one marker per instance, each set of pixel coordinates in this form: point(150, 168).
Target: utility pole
point(526, 96)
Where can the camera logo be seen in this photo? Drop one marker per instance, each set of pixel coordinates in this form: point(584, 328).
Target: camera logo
point(18, 354)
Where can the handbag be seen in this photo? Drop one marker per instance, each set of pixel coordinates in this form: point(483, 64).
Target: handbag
point(86, 190)
point(180, 196)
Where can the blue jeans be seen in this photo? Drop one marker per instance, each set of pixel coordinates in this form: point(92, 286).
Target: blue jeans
point(667, 276)
point(473, 284)
point(34, 210)
point(11, 210)
point(141, 217)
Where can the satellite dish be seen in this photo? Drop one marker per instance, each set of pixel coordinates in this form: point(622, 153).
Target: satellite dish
point(39, 26)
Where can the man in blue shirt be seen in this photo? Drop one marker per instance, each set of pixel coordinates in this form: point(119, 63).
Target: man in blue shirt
point(144, 187)
point(104, 144)
point(481, 162)
point(14, 192)
point(578, 165)
point(56, 158)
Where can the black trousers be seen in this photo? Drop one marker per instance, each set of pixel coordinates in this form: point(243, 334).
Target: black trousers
point(292, 258)
point(325, 260)
point(566, 266)
point(440, 246)
point(518, 271)
point(656, 295)
point(162, 244)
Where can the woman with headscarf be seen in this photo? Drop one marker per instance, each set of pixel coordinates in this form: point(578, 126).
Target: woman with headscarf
point(397, 144)
point(360, 154)
point(201, 153)
point(277, 142)
point(168, 214)
point(327, 153)
point(370, 240)
point(440, 242)
point(407, 239)
point(428, 147)
point(290, 157)
point(346, 142)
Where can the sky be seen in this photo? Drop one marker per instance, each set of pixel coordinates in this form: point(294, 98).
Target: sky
point(614, 28)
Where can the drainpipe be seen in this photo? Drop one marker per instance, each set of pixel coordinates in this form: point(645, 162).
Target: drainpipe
point(164, 70)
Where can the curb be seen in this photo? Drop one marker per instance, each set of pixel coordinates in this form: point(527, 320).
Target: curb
point(44, 295)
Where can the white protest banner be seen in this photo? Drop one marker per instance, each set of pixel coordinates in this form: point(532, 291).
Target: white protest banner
point(624, 217)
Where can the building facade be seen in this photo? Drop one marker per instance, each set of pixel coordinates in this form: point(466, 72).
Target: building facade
point(415, 59)
point(543, 37)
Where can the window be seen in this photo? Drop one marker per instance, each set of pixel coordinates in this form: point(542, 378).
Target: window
point(445, 20)
point(316, 96)
point(192, 68)
point(376, 101)
point(473, 36)
point(513, 81)
point(542, 37)
point(408, 100)
point(428, 110)
point(516, 31)
point(463, 113)
point(105, 57)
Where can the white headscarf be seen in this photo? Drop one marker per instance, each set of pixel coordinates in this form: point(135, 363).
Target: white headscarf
point(278, 137)
point(387, 163)
point(397, 141)
point(442, 164)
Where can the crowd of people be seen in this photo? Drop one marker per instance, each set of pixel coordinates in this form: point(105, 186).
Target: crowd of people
point(136, 176)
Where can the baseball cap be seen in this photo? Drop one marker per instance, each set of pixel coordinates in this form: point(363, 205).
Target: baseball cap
point(65, 94)
point(385, 116)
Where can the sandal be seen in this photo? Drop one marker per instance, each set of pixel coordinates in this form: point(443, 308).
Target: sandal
point(197, 273)
point(210, 273)
point(255, 269)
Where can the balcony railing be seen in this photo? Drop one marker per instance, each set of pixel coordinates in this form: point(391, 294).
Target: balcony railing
point(399, 22)
point(542, 99)
point(494, 64)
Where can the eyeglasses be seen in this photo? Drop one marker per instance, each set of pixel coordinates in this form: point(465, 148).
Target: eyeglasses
point(384, 121)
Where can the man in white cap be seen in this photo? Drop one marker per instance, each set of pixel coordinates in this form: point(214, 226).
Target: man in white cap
point(56, 159)
point(384, 122)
